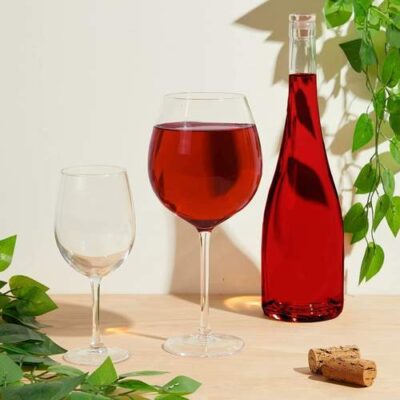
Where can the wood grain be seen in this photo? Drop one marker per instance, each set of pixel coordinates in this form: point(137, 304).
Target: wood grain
point(273, 364)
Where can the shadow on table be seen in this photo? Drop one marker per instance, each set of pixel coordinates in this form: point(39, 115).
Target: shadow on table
point(320, 378)
point(249, 305)
point(75, 320)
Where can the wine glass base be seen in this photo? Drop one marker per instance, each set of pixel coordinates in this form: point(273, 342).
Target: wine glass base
point(213, 345)
point(93, 356)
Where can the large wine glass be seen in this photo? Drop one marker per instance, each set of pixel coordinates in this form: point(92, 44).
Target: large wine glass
point(205, 166)
point(95, 230)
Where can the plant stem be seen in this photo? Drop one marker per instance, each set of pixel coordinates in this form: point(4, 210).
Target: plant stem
point(380, 13)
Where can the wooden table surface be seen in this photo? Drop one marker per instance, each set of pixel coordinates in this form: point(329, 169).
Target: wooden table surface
point(273, 364)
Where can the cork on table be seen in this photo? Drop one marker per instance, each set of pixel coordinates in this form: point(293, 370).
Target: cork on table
point(274, 362)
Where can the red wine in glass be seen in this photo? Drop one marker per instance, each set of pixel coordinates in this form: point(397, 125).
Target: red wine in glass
point(205, 172)
point(205, 166)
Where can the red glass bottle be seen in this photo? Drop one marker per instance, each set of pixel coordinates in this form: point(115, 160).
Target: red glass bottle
point(302, 246)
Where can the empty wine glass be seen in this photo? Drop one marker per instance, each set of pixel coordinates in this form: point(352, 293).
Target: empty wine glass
point(95, 231)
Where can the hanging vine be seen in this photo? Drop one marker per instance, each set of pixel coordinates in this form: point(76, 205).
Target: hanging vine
point(381, 70)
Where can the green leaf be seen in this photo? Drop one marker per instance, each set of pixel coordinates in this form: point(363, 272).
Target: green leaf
point(396, 21)
point(53, 390)
point(361, 11)
point(393, 36)
point(363, 133)
point(137, 386)
point(374, 20)
point(365, 4)
point(356, 219)
point(376, 264)
point(337, 12)
point(4, 300)
point(9, 370)
point(393, 104)
point(359, 235)
point(46, 347)
point(21, 281)
point(367, 54)
point(7, 247)
point(351, 50)
point(142, 373)
point(388, 182)
point(391, 69)
point(392, 5)
point(104, 375)
point(372, 262)
point(65, 370)
point(2, 284)
point(12, 348)
point(381, 207)
point(170, 397)
point(395, 149)
point(10, 314)
point(35, 361)
point(393, 215)
point(366, 180)
point(394, 121)
point(87, 396)
point(34, 302)
point(181, 385)
point(380, 103)
point(12, 333)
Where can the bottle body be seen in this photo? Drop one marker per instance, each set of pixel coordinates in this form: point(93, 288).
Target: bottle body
point(302, 245)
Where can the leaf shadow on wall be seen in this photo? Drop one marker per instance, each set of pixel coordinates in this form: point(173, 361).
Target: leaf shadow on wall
point(231, 270)
point(272, 18)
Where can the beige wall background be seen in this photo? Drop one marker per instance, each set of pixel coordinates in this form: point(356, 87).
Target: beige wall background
point(81, 82)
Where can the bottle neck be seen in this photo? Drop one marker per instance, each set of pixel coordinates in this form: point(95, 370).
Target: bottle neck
point(302, 58)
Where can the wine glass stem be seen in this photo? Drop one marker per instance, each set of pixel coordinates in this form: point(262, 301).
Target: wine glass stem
point(204, 329)
point(96, 340)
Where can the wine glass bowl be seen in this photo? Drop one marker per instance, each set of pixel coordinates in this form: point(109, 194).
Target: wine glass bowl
point(205, 165)
point(204, 172)
point(95, 231)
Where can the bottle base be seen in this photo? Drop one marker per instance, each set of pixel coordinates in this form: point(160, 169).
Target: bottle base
point(302, 313)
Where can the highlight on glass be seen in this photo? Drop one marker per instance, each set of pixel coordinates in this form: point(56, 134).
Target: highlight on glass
point(95, 231)
point(205, 166)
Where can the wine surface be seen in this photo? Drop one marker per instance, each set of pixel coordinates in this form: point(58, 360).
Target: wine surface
point(205, 172)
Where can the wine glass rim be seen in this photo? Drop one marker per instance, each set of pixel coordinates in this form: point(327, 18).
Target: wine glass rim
point(205, 96)
point(94, 170)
